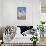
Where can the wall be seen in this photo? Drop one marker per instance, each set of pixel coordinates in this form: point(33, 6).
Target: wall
point(9, 12)
point(1, 17)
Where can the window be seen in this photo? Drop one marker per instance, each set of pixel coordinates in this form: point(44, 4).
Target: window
point(43, 6)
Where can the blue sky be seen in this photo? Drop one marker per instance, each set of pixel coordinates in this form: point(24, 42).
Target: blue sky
point(21, 9)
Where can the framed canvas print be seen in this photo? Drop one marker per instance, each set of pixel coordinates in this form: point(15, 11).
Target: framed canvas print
point(21, 13)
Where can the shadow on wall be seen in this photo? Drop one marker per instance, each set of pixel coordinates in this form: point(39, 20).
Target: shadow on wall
point(1, 32)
